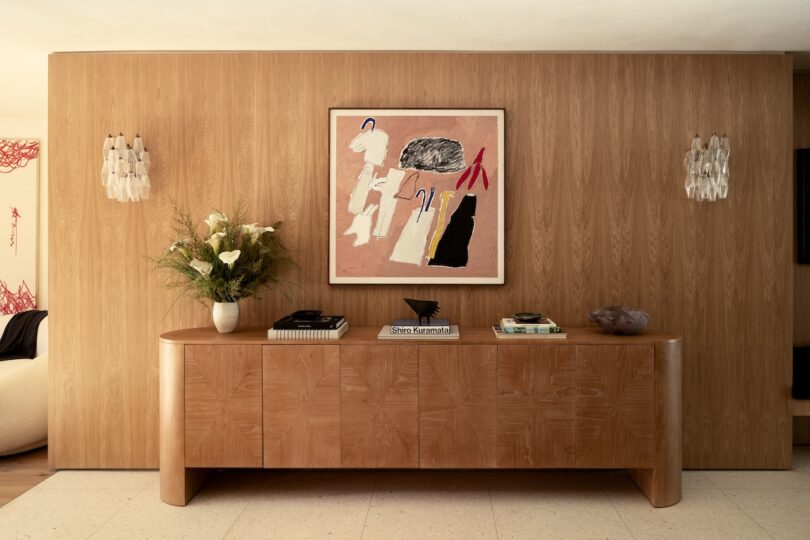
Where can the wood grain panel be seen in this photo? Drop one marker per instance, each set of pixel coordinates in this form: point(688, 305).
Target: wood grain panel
point(177, 483)
point(301, 406)
point(536, 399)
point(223, 406)
point(594, 199)
point(615, 406)
point(457, 406)
point(379, 406)
point(801, 272)
point(662, 483)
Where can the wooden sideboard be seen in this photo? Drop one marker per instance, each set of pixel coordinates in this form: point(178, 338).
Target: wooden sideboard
point(589, 401)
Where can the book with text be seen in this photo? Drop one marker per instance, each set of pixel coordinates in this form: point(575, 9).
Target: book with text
point(387, 333)
point(412, 327)
point(500, 334)
point(308, 333)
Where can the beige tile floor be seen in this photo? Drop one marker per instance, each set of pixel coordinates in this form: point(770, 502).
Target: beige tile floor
point(417, 504)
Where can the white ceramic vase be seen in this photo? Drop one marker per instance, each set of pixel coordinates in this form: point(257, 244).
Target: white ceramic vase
point(226, 315)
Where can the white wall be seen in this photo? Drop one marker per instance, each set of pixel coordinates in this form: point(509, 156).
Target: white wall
point(35, 127)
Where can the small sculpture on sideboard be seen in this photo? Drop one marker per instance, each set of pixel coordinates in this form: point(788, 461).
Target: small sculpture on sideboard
point(423, 308)
point(620, 320)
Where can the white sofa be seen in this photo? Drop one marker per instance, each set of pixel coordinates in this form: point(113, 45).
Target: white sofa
point(24, 397)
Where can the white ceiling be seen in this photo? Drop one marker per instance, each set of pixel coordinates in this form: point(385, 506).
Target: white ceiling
point(33, 28)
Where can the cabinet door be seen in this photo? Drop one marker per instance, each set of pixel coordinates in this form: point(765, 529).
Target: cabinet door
point(536, 410)
point(301, 406)
point(223, 405)
point(379, 408)
point(615, 406)
point(457, 405)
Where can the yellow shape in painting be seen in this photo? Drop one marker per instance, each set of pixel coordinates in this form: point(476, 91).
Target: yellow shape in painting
point(440, 223)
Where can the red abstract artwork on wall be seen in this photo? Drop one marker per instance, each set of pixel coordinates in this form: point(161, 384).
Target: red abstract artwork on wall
point(17, 153)
point(19, 182)
point(16, 301)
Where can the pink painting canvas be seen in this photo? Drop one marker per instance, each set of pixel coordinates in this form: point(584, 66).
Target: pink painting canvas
point(416, 196)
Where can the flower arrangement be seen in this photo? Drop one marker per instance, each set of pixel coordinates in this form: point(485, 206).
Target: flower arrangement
point(231, 261)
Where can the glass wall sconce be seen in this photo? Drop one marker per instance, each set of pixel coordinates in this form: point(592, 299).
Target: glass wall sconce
point(707, 169)
point(125, 173)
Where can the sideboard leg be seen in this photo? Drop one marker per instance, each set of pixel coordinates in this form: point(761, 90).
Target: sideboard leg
point(662, 488)
point(177, 483)
point(662, 483)
point(179, 487)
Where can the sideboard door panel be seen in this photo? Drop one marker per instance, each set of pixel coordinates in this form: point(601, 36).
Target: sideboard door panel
point(223, 405)
point(457, 405)
point(615, 406)
point(379, 406)
point(536, 410)
point(301, 406)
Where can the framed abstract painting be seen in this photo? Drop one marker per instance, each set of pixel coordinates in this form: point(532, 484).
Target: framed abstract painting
point(416, 196)
point(19, 182)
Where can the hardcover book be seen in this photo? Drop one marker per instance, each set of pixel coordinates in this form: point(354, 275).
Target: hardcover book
point(500, 334)
point(412, 327)
point(545, 322)
point(530, 330)
point(431, 332)
point(414, 322)
point(308, 334)
point(325, 322)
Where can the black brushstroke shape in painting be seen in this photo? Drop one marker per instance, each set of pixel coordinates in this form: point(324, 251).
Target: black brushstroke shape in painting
point(435, 154)
point(452, 248)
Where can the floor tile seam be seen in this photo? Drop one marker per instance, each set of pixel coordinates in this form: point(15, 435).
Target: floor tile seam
point(615, 509)
point(749, 516)
point(242, 512)
point(368, 508)
point(492, 509)
point(101, 525)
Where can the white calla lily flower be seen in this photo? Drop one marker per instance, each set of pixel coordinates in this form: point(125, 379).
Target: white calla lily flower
point(181, 246)
point(229, 257)
point(255, 231)
point(214, 241)
point(215, 219)
point(202, 267)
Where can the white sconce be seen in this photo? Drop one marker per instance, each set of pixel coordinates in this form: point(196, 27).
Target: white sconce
point(125, 173)
point(707, 169)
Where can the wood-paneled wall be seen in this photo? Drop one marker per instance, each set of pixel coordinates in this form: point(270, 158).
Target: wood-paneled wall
point(596, 214)
point(801, 273)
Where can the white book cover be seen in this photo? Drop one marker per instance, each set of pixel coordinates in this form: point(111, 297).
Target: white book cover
point(385, 333)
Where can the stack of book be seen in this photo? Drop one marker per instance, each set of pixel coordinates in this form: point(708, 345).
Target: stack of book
point(320, 327)
point(411, 329)
point(545, 328)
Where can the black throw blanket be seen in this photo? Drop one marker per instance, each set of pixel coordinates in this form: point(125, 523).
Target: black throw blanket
point(20, 336)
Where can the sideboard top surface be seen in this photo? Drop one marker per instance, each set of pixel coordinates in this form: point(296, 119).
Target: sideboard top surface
point(368, 336)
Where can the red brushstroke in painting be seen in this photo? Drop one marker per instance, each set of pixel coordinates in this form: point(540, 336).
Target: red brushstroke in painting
point(474, 169)
point(11, 302)
point(15, 214)
point(15, 154)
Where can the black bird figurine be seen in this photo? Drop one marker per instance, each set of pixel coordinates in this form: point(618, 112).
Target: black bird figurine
point(423, 308)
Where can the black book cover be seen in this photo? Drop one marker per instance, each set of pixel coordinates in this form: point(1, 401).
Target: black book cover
point(325, 322)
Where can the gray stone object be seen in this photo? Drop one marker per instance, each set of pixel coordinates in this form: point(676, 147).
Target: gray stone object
point(620, 320)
